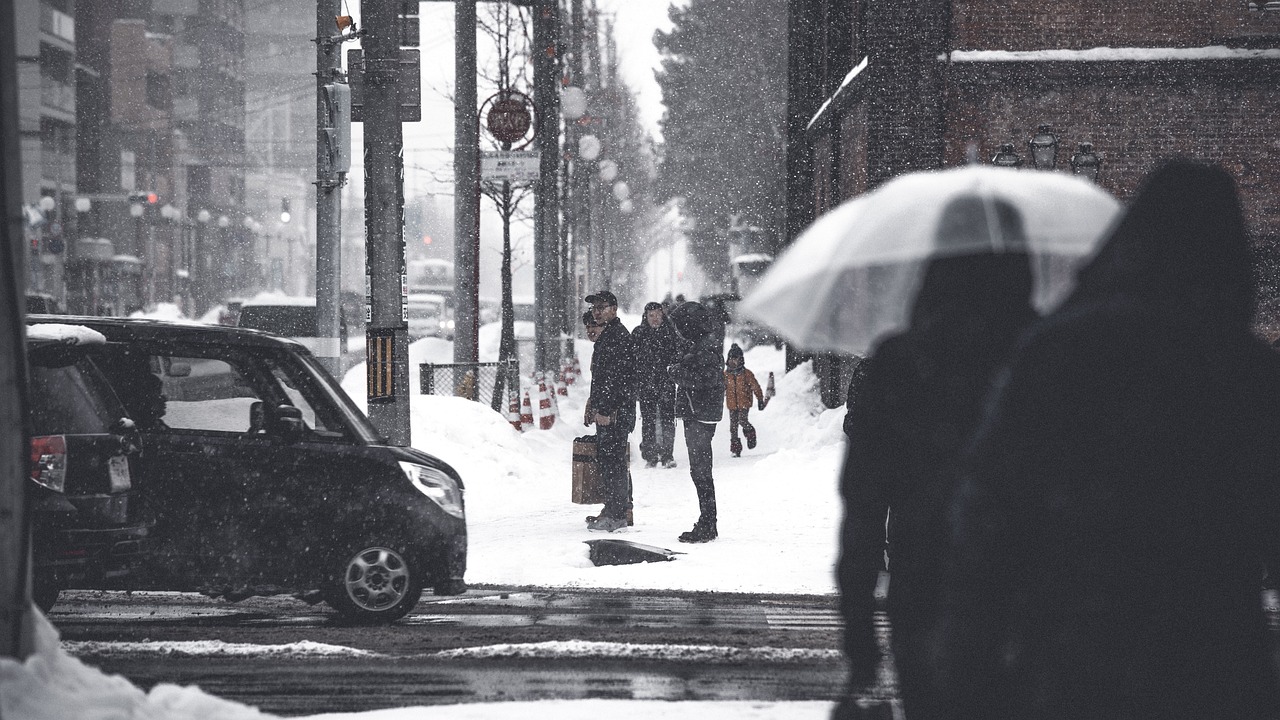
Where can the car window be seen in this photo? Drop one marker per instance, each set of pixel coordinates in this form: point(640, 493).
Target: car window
point(205, 393)
point(297, 387)
point(66, 400)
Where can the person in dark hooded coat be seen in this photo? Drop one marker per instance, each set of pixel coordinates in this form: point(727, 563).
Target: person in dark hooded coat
point(1118, 505)
point(919, 399)
point(700, 404)
point(657, 347)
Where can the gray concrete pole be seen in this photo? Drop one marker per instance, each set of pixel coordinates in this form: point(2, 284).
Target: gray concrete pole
point(15, 529)
point(466, 187)
point(328, 188)
point(384, 227)
point(546, 228)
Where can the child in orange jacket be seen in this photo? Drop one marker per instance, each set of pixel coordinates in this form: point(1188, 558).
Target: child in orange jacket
point(739, 385)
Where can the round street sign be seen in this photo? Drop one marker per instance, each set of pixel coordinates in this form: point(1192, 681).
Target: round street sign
point(509, 119)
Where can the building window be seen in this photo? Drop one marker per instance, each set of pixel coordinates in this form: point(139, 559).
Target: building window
point(128, 170)
point(1264, 5)
point(159, 94)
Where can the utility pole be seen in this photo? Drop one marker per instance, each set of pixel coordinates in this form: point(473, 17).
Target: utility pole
point(387, 338)
point(466, 184)
point(333, 160)
point(546, 96)
point(15, 529)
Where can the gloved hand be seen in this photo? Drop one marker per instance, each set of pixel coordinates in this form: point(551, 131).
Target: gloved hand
point(763, 402)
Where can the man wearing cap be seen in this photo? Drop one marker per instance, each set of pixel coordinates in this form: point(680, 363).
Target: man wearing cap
point(613, 402)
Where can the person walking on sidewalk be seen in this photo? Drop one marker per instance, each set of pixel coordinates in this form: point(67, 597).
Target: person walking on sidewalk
point(699, 389)
point(613, 404)
point(739, 385)
point(657, 347)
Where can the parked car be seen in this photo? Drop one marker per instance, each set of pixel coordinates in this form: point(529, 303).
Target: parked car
point(43, 303)
point(87, 528)
point(429, 316)
point(294, 318)
point(264, 478)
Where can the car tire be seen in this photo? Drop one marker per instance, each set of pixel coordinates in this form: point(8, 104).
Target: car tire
point(377, 582)
point(44, 592)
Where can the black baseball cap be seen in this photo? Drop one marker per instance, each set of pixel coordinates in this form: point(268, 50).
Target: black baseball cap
point(603, 297)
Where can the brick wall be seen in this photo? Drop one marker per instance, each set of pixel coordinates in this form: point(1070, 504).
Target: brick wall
point(1081, 24)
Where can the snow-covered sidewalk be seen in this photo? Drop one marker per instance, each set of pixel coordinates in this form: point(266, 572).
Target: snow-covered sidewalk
point(778, 503)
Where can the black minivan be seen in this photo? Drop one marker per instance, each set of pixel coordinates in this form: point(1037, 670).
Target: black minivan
point(86, 526)
point(264, 478)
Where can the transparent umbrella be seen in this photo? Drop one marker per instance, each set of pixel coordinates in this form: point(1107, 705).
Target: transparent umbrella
point(851, 277)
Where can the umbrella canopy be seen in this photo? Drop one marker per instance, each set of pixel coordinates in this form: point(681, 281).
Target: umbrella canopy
point(852, 276)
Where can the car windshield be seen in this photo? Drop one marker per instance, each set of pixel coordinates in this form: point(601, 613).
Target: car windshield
point(309, 374)
point(71, 400)
point(283, 320)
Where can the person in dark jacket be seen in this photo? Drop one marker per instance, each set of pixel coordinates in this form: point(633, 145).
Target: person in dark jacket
point(613, 402)
point(739, 385)
point(918, 400)
point(700, 404)
point(1119, 503)
point(657, 347)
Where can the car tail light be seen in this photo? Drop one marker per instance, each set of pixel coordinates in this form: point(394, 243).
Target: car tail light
point(49, 461)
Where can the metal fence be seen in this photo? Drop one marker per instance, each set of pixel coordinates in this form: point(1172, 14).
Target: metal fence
point(484, 382)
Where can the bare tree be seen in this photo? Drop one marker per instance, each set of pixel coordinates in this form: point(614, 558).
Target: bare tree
point(508, 72)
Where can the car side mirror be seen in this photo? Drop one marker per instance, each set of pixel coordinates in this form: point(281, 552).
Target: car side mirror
point(287, 422)
point(130, 438)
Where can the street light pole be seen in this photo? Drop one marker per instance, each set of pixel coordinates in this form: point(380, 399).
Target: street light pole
point(466, 193)
point(546, 97)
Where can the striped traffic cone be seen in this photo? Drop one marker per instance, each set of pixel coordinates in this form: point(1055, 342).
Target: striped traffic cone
point(546, 417)
point(526, 413)
point(513, 411)
point(567, 371)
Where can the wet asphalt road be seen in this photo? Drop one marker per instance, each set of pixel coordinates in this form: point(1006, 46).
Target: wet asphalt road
point(409, 669)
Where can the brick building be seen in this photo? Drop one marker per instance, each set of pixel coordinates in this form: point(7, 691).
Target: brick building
point(880, 89)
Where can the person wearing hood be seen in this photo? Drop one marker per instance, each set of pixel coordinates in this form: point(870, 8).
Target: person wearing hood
point(700, 405)
point(657, 347)
point(739, 385)
point(613, 407)
point(1118, 506)
point(918, 401)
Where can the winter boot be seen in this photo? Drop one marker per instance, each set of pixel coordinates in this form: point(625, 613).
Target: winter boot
point(701, 532)
point(735, 446)
point(750, 432)
point(606, 523)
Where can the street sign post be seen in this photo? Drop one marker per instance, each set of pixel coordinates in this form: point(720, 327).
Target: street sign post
point(510, 165)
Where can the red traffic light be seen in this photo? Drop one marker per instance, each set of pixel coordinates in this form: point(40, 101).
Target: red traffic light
point(152, 198)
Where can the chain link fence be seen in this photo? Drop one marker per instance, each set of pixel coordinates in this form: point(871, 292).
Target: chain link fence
point(484, 382)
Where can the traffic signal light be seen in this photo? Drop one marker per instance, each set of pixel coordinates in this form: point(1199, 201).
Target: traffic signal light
point(285, 215)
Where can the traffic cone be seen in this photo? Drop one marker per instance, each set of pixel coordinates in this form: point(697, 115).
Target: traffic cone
point(769, 392)
point(526, 412)
point(569, 377)
point(577, 368)
point(546, 418)
point(562, 388)
point(513, 411)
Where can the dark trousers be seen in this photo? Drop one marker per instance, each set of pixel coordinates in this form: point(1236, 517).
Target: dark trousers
point(611, 453)
point(657, 430)
point(697, 437)
point(739, 417)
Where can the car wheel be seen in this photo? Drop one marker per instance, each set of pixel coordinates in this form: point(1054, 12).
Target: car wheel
point(376, 583)
point(44, 592)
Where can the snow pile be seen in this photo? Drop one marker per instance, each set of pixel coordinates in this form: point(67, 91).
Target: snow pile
point(163, 311)
point(66, 334)
point(52, 685)
point(639, 651)
point(211, 648)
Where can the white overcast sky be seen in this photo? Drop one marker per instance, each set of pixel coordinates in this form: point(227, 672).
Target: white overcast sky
point(428, 144)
